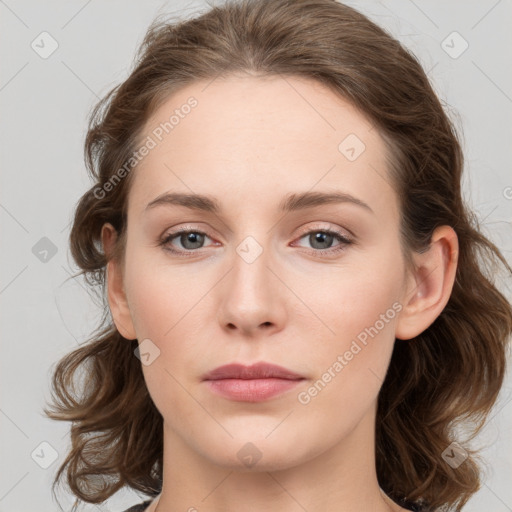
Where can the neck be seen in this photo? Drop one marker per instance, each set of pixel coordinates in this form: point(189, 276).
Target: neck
point(341, 478)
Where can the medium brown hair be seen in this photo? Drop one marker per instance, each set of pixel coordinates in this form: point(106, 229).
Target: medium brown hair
point(448, 376)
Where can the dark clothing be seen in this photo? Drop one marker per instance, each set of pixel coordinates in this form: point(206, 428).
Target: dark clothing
point(141, 507)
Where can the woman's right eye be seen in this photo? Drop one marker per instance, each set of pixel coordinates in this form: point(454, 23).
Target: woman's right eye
point(190, 240)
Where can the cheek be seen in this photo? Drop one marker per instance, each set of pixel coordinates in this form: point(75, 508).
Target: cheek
point(170, 307)
point(159, 294)
point(370, 308)
point(355, 298)
point(372, 287)
point(163, 303)
point(362, 309)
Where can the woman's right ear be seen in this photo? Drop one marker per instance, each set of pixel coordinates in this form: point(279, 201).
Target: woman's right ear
point(117, 300)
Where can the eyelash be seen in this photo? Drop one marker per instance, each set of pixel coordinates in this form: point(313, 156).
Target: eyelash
point(165, 242)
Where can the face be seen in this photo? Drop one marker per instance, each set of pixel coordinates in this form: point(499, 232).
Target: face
point(315, 287)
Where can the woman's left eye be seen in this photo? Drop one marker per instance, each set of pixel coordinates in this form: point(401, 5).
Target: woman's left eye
point(318, 238)
point(191, 240)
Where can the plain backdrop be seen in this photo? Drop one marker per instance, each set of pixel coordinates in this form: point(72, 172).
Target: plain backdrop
point(45, 101)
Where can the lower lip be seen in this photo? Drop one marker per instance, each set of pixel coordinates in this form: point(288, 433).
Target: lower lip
point(251, 390)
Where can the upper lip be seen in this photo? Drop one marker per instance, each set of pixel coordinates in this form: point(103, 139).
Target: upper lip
point(256, 371)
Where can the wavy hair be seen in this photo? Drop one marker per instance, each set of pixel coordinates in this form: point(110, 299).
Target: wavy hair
point(448, 376)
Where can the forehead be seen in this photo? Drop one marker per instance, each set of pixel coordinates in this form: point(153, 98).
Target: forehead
point(250, 136)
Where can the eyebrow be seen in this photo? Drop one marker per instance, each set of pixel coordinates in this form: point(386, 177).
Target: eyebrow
point(292, 202)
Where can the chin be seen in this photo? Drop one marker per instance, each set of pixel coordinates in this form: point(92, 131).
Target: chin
point(253, 453)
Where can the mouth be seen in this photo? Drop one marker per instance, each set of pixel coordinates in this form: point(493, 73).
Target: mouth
point(255, 383)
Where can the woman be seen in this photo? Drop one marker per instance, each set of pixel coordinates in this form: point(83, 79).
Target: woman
point(300, 311)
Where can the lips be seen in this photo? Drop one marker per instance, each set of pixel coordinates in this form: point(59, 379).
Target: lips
point(256, 383)
point(256, 371)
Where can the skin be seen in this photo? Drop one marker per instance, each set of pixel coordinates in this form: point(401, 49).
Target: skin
point(249, 142)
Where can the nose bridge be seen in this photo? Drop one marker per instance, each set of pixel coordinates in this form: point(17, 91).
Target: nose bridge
point(251, 260)
point(252, 246)
point(251, 294)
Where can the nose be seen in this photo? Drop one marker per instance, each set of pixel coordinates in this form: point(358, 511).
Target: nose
point(252, 296)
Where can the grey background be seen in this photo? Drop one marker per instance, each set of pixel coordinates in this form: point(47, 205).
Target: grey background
point(44, 107)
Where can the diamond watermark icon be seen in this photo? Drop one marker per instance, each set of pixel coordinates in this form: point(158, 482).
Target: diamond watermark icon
point(44, 250)
point(147, 352)
point(455, 455)
point(249, 454)
point(44, 45)
point(351, 147)
point(454, 45)
point(249, 249)
point(44, 455)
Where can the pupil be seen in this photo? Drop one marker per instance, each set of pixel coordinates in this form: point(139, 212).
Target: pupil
point(322, 238)
point(192, 238)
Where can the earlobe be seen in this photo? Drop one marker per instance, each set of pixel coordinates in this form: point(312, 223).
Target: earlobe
point(115, 286)
point(429, 289)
